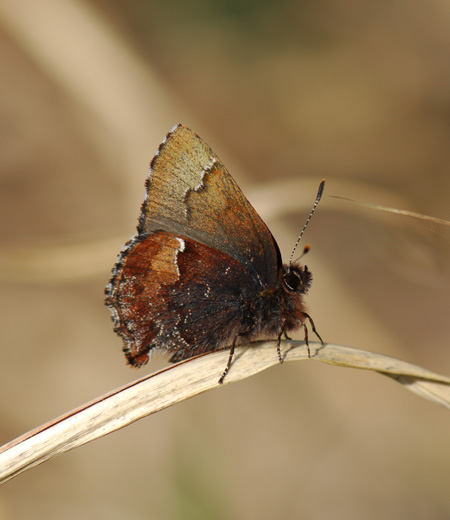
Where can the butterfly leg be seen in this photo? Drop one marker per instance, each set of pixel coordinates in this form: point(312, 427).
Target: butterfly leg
point(306, 339)
point(230, 359)
point(280, 358)
point(313, 326)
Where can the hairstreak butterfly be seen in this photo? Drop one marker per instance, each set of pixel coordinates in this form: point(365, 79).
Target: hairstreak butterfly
point(203, 271)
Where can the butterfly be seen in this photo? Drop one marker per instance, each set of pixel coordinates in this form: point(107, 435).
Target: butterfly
point(203, 272)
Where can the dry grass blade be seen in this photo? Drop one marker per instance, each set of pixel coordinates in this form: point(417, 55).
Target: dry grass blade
point(187, 379)
point(396, 211)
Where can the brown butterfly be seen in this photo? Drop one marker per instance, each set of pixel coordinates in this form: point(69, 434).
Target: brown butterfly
point(203, 272)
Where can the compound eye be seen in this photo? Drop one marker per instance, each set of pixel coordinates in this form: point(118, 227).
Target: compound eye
point(293, 281)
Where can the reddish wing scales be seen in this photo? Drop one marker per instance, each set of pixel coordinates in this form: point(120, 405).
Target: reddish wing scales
point(177, 294)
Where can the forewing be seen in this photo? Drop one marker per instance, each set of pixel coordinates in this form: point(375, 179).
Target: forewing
point(190, 193)
point(173, 293)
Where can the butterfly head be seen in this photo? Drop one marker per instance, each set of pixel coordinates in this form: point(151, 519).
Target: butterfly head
point(297, 278)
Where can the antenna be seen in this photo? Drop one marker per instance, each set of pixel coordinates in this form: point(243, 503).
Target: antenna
point(318, 197)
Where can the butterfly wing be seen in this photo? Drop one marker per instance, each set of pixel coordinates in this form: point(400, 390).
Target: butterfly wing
point(190, 193)
point(174, 293)
point(200, 255)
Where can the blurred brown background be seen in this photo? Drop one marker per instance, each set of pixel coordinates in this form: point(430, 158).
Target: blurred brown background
point(286, 93)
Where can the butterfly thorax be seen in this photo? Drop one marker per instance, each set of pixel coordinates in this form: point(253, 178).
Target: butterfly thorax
point(278, 308)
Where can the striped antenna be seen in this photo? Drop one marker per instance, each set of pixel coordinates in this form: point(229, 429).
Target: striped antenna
point(319, 196)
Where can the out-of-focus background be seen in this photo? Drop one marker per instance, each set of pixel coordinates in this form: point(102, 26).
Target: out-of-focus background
point(286, 93)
